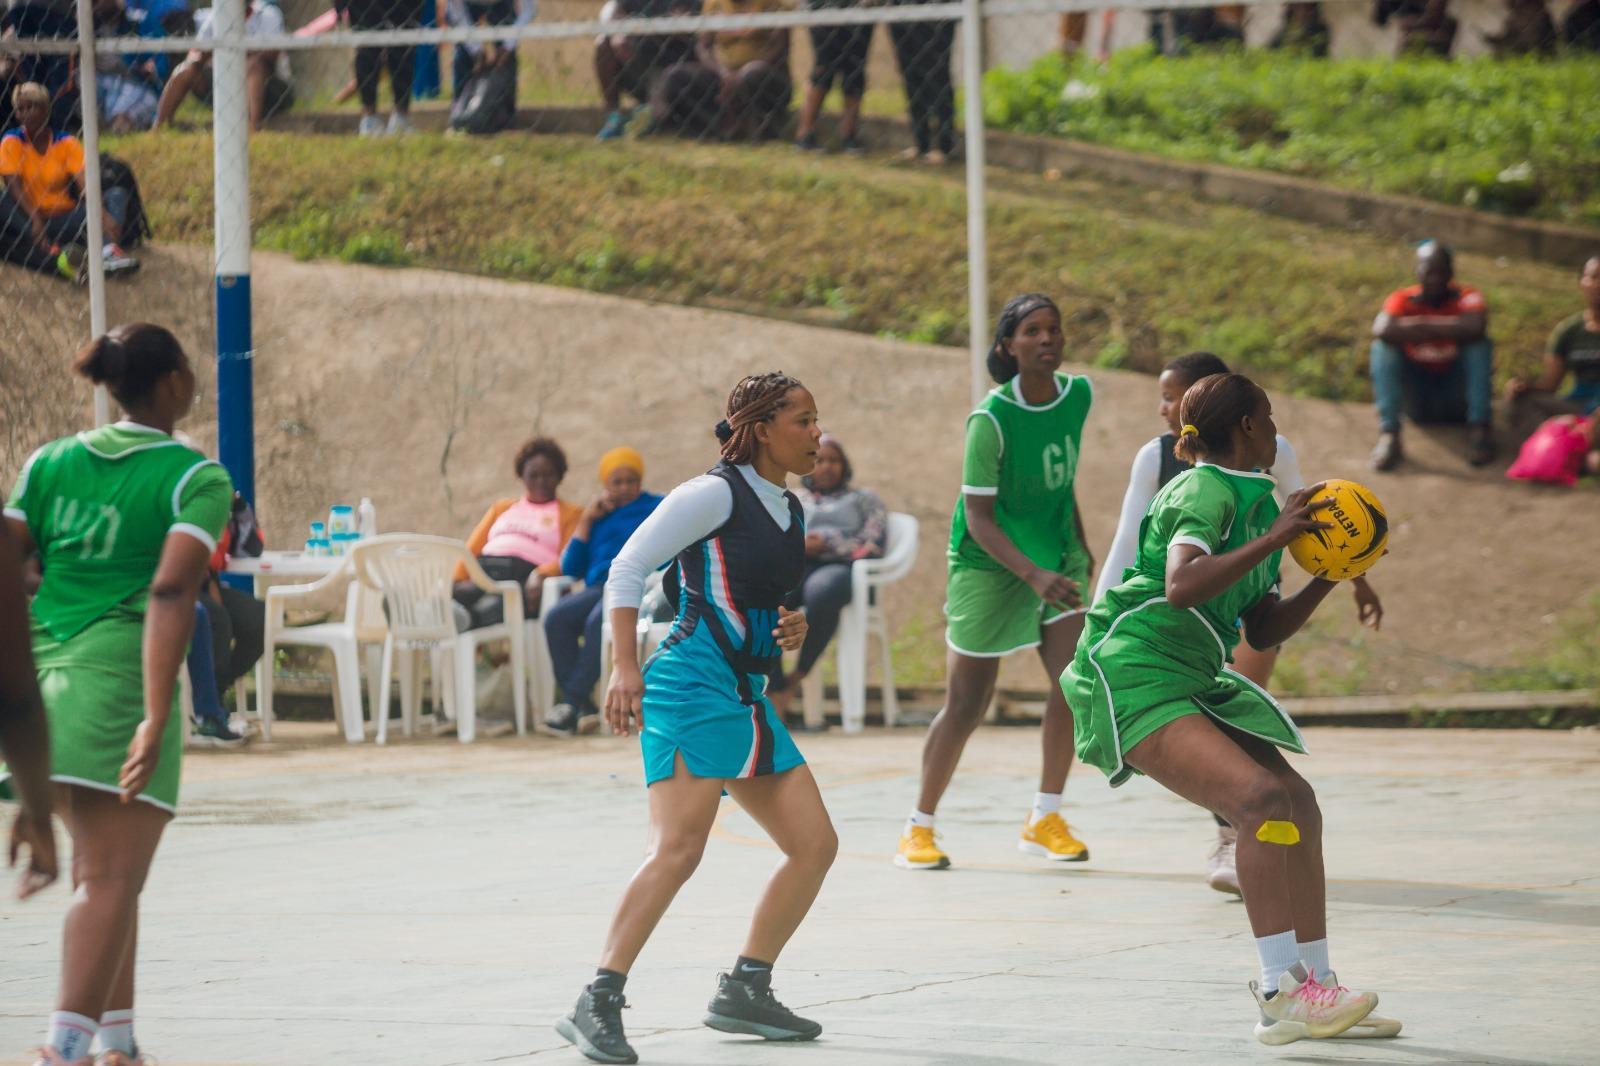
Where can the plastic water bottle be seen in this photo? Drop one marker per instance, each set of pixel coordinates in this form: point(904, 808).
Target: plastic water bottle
point(341, 519)
point(369, 518)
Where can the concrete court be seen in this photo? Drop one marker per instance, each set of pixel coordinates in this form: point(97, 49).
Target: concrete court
point(432, 904)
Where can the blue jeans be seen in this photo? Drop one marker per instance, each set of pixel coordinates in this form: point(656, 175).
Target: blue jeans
point(203, 667)
point(572, 629)
point(1462, 393)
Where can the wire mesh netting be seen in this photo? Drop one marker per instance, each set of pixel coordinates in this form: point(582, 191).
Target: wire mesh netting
point(476, 221)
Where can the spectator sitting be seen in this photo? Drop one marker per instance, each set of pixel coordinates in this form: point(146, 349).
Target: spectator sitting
point(1426, 26)
point(1574, 348)
point(839, 54)
point(43, 218)
point(740, 80)
point(572, 626)
point(1580, 26)
point(34, 19)
point(229, 635)
point(1304, 29)
point(521, 538)
point(266, 73)
point(127, 86)
point(1528, 30)
point(843, 524)
point(633, 65)
point(474, 57)
point(1431, 355)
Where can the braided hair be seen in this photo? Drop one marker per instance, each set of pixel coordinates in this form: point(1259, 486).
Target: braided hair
point(756, 399)
point(1002, 364)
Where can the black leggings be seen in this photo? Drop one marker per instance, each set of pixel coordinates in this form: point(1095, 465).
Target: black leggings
point(824, 593)
point(923, 51)
point(370, 62)
point(238, 632)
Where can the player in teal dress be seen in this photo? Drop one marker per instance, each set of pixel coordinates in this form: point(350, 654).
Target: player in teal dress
point(735, 538)
point(1152, 692)
point(125, 519)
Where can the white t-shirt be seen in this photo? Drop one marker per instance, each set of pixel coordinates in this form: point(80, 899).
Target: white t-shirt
point(690, 511)
point(1143, 484)
point(262, 20)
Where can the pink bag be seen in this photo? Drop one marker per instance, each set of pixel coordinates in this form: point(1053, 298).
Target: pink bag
point(1554, 452)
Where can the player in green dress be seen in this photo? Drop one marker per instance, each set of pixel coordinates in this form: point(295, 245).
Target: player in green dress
point(1019, 569)
point(125, 520)
point(1152, 691)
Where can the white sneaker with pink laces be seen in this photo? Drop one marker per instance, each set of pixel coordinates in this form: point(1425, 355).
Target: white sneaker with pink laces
point(1305, 1008)
point(1372, 1027)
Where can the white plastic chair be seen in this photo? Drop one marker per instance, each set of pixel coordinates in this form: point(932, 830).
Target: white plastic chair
point(655, 597)
point(362, 624)
point(541, 669)
point(862, 618)
point(415, 574)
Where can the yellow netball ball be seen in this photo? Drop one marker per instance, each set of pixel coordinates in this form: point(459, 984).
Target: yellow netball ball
point(1358, 538)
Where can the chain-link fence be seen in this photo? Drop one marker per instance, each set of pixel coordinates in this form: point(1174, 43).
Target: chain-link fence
point(425, 295)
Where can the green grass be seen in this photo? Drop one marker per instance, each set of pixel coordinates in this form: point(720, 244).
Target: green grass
point(1515, 136)
point(854, 243)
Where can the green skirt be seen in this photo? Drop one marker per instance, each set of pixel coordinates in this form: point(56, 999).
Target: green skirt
point(93, 689)
point(1140, 668)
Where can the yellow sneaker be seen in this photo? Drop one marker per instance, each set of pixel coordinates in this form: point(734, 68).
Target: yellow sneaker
point(1051, 838)
point(919, 852)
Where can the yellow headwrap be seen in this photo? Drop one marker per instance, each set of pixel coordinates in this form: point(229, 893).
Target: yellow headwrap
point(620, 457)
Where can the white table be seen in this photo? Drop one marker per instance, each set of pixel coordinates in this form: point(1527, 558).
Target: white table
point(288, 566)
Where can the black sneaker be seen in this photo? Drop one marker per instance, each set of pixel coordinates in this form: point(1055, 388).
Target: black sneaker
point(852, 145)
point(1480, 445)
point(751, 1008)
point(595, 1026)
point(562, 719)
point(808, 143)
point(216, 733)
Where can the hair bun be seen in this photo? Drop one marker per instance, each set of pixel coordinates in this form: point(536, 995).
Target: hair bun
point(723, 431)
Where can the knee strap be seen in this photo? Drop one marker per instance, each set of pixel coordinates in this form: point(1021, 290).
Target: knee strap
point(1278, 833)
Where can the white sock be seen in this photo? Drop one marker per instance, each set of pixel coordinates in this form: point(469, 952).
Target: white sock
point(922, 819)
point(1278, 952)
point(1044, 803)
point(71, 1034)
point(116, 1031)
point(1314, 953)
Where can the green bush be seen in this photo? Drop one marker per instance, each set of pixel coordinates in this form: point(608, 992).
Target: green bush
point(1521, 137)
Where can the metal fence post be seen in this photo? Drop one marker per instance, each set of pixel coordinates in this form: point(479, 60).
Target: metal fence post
point(977, 230)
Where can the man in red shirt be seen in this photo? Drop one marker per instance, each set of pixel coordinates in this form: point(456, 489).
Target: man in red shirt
point(1432, 358)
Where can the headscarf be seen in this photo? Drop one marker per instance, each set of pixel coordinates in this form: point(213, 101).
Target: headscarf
point(616, 458)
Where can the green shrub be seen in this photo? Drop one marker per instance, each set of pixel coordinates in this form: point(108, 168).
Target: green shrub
point(1520, 137)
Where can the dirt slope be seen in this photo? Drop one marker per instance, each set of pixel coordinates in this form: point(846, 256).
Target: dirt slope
point(415, 387)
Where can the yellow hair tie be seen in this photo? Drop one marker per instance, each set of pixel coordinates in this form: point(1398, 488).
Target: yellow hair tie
point(1188, 429)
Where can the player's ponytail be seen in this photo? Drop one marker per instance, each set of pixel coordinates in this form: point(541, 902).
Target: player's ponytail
point(1211, 409)
point(1002, 364)
point(129, 360)
point(756, 399)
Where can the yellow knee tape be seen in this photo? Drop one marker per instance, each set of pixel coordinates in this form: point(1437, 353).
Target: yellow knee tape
point(1278, 833)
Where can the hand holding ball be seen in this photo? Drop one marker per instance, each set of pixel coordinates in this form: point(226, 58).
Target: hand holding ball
point(1358, 538)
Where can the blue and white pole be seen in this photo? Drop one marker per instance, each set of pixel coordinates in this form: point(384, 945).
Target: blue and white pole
point(236, 445)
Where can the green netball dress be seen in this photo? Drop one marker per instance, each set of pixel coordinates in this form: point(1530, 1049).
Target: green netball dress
point(1025, 456)
point(1142, 663)
point(99, 506)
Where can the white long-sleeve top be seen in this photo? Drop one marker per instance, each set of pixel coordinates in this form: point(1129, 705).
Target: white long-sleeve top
point(1142, 487)
point(691, 511)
